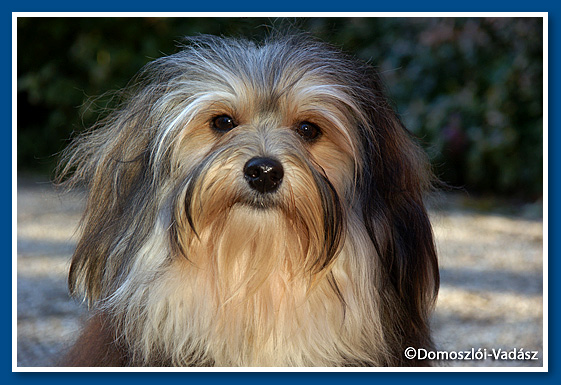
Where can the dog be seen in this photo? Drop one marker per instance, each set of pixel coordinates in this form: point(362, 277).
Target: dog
point(252, 204)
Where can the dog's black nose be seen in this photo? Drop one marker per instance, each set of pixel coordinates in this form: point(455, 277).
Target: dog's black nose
point(263, 174)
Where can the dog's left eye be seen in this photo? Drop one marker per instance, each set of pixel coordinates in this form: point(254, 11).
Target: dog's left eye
point(308, 131)
point(223, 123)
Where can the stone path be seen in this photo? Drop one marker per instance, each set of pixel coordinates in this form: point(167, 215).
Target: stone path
point(490, 297)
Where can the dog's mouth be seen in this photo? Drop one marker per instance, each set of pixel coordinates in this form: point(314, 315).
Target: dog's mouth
point(261, 201)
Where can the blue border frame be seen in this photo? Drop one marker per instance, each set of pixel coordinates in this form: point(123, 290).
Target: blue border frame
point(296, 6)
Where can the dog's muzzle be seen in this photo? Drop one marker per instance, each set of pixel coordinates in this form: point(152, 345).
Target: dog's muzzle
point(263, 174)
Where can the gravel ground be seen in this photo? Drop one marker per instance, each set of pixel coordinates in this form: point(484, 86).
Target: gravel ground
point(491, 293)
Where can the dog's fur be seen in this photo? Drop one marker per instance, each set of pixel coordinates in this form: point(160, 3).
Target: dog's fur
point(184, 263)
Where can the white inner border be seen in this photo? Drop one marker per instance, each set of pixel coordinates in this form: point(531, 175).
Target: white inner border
point(543, 15)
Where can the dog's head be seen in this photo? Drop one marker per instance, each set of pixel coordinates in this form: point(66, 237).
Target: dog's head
point(252, 162)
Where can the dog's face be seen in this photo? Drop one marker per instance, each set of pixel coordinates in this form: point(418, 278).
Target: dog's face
point(269, 154)
point(251, 200)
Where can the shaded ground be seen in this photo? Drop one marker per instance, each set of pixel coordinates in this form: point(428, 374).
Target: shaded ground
point(490, 298)
point(492, 282)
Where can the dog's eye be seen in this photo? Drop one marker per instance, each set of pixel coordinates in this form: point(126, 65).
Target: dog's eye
point(308, 131)
point(223, 123)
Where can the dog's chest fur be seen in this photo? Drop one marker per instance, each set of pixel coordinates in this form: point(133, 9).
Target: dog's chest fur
point(243, 299)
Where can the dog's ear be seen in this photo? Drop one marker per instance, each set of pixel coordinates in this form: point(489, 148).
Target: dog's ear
point(110, 162)
point(396, 177)
point(120, 161)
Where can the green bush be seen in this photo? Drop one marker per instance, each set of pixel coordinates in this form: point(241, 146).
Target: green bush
point(470, 88)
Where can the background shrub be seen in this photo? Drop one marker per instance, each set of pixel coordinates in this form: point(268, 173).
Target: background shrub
point(471, 89)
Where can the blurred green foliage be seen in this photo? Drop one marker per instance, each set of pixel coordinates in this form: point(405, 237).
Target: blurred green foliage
point(470, 88)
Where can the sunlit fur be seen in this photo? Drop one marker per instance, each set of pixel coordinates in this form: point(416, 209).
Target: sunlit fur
point(185, 264)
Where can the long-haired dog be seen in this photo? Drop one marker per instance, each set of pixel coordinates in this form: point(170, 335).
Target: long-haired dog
point(253, 205)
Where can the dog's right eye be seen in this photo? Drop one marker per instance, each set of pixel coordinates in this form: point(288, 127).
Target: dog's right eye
point(223, 123)
point(308, 131)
